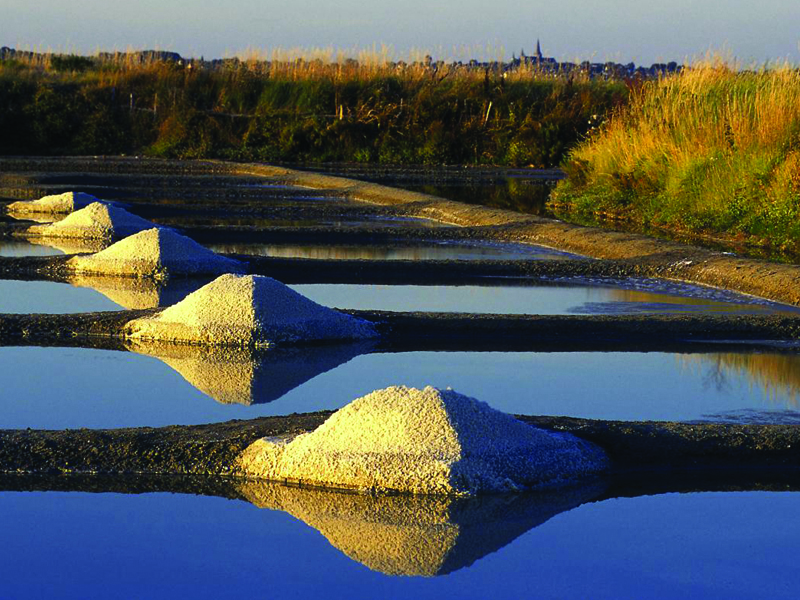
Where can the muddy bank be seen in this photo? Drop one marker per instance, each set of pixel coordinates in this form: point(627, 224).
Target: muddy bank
point(364, 271)
point(212, 449)
point(425, 330)
point(658, 257)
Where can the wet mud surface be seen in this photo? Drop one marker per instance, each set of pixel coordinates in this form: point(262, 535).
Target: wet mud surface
point(465, 331)
point(633, 447)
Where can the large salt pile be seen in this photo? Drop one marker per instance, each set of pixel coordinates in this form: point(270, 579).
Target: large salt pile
point(248, 310)
point(417, 535)
point(426, 441)
point(59, 203)
point(97, 221)
point(155, 253)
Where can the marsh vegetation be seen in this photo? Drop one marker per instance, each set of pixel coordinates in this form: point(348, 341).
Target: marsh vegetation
point(714, 149)
point(299, 110)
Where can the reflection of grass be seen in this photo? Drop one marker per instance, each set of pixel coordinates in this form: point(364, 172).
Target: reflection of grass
point(778, 375)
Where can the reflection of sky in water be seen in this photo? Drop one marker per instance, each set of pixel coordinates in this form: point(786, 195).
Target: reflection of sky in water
point(544, 300)
point(722, 545)
point(92, 293)
point(72, 387)
point(421, 251)
point(24, 248)
point(50, 297)
point(110, 293)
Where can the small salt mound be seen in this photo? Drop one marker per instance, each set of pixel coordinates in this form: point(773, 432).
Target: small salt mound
point(96, 221)
point(59, 203)
point(426, 441)
point(248, 310)
point(155, 253)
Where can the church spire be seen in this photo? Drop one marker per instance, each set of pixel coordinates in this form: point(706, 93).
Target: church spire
point(538, 50)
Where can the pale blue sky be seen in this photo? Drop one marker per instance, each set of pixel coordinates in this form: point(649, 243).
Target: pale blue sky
point(619, 30)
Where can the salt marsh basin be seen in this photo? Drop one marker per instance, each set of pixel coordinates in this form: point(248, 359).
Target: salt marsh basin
point(62, 388)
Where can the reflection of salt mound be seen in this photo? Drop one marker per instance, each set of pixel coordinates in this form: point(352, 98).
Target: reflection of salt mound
point(134, 294)
point(97, 221)
point(425, 442)
point(71, 245)
point(242, 376)
point(416, 535)
point(59, 203)
point(248, 310)
point(155, 253)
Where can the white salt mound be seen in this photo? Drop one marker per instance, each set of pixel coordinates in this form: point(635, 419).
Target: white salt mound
point(155, 253)
point(96, 221)
point(58, 203)
point(426, 441)
point(248, 310)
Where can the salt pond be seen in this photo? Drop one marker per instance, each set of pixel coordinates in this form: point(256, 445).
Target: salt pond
point(505, 296)
point(722, 545)
point(12, 247)
point(531, 297)
point(396, 251)
point(89, 293)
point(54, 388)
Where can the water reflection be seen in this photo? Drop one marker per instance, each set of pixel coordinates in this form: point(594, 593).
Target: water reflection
point(777, 376)
point(422, 251)
point(417, 535)
point(517, 194)
point(50, 297)
point(20, 247)
point(71, 245)
point(534, 297)
point(43, 218)
point(703, 545)
point(245, 376)
point(131, 293)
point(157, 387)
point(692, 299)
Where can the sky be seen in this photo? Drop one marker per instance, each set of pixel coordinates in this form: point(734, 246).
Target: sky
point(599, 30)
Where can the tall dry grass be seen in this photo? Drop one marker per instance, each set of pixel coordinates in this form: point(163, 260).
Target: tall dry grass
point(714, 148)
point(295, 106)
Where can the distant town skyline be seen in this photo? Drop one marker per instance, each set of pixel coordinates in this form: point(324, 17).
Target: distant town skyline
point(602, 30)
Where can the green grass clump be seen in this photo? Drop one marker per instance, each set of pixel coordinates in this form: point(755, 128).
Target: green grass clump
point(298, 110)
point(712, 150)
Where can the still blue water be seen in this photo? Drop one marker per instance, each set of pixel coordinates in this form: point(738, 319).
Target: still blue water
point(54, 388)
point(11, 247)
point(629, 297)
point(702, 545)
point(397, 251)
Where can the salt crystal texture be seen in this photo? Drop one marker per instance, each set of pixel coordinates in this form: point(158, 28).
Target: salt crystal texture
point(155, 253)
point(58, 203)
point(426, 441)
point(97, 221)
point(248, 310)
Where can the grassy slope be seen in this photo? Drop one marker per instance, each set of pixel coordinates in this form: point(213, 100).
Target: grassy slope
point(710, 150)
